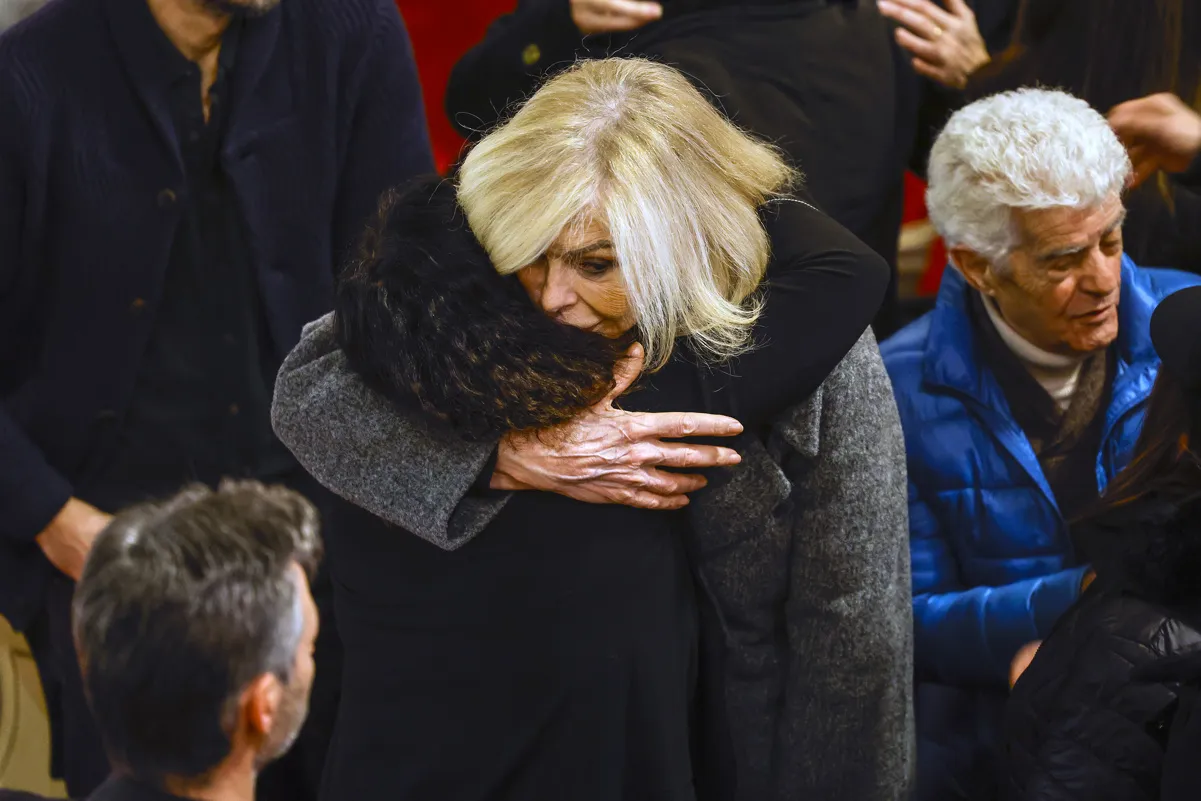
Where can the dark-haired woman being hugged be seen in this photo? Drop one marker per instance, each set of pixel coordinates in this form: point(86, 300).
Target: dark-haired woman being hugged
point(1101, 704)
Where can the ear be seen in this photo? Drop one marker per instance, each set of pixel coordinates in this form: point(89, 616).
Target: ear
point(260, 704)
point(976, 269)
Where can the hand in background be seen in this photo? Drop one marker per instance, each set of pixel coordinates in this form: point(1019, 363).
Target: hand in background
point(611, 16)
point(608, 455)
point(69, 537)
point(1022, 660)
point(945, 43)
point(1160, 132)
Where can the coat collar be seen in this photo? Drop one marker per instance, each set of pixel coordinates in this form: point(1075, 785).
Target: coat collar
point(954, 361)
point(954, 358)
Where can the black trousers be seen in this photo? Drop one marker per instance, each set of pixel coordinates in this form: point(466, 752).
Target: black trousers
point(77, 755)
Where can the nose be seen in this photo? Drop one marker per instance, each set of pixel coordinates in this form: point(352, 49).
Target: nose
point(557, 294)
point(1102, 274)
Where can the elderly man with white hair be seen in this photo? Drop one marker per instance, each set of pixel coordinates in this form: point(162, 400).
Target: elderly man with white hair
point(1021, 394)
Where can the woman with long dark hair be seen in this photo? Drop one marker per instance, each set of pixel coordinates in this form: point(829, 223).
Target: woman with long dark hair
point(1093, 715)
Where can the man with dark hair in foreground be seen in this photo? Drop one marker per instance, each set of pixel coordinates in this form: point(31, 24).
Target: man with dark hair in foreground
point(195, 628)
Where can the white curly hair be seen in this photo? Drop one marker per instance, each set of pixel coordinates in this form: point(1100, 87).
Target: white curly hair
point(1017, 151)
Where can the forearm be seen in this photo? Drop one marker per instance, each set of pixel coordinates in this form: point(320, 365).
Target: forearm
point(969, 638)
point(822, 291)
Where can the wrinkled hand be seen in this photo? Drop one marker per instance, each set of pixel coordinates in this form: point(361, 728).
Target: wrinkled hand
point(1022, 660)
point(69, 537)
point(612, 456)
point(611, 16)
point(945, 42)
point(1160, 132)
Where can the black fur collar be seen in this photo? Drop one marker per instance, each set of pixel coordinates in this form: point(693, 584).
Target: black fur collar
point(425, 319)
point(1152, 546)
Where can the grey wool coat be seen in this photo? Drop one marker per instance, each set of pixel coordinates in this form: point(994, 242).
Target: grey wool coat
point(804, 552)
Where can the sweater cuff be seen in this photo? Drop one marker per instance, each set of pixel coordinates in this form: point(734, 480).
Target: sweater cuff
point(483, 482)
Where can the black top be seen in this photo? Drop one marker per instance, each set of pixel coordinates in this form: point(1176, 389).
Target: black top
point(201, 406)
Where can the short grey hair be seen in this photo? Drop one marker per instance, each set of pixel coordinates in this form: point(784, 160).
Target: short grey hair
point(181, 604)
point(1016, 151)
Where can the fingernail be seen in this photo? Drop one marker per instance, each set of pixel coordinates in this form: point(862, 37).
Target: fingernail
point(733, 458)
point(734, 428)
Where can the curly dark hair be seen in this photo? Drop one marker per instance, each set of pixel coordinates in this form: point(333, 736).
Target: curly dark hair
point(426, 320)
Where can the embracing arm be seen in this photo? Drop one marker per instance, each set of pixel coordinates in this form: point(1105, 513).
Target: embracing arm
point(823, 289)
point(399, 465)
point(968, 636)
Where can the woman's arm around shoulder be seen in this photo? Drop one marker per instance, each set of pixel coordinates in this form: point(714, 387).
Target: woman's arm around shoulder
point(822, 290)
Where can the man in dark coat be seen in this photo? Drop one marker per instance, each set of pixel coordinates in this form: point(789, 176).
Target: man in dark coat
point(815, 77)
point(178, 181)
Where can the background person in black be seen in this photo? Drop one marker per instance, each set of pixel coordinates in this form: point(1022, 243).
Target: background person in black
point(818, 78)
point(1095, 713)
point(178, 187)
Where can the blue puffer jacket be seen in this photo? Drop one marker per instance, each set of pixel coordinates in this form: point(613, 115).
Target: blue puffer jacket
point(993, 567)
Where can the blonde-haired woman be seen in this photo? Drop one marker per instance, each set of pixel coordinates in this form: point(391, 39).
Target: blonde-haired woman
point(533, 645)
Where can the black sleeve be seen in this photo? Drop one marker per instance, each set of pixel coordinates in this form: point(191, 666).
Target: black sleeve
point(823, 289)
point(519, 51)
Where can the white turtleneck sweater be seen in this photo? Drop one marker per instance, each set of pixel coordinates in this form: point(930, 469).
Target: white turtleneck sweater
point(1057, 374)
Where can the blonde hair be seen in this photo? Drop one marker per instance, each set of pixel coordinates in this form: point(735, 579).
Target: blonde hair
point(634, 145)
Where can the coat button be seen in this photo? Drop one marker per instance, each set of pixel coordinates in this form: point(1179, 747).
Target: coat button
point(531, 55)
point(137, 306)
point(166, 198)
point(233, 410)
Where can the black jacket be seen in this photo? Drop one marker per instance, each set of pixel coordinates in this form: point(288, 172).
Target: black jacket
point(1092, 717)
point(325, 113)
